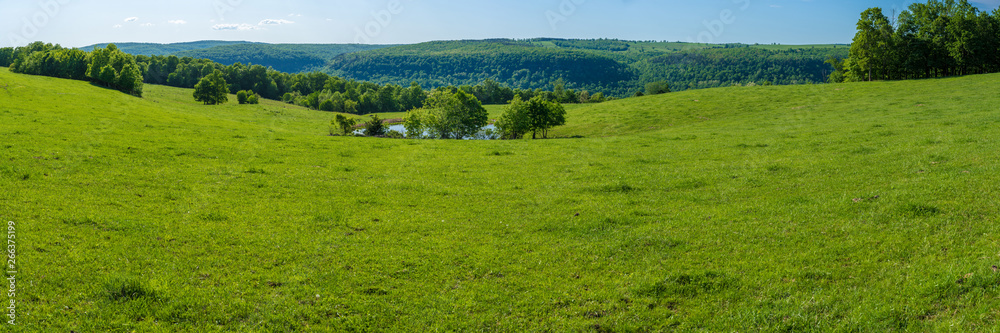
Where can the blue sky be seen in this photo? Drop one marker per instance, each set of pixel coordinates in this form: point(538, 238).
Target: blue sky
point(84, 22)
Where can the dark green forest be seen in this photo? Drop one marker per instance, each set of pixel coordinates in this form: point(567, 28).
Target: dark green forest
point(151, 49)
point(513, 63)
point(613, 67)
point(289, 58)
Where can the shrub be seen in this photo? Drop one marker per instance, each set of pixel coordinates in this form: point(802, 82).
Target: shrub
point(375, 127)
point(344, 124)
point(394, 135)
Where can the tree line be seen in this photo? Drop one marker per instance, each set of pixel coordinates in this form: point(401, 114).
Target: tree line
point(927, 40)
point(108, 67)
point(315, 90)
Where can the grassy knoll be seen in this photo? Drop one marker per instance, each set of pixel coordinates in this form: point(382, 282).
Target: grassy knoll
point(854, 207)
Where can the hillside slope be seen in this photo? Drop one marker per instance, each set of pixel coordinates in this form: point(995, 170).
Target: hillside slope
point(854, 207)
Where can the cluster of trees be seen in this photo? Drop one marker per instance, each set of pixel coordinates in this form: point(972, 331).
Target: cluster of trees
point(247, 97)
point(534, 115)
point(109, 66)
point(212, 89)
point(447, 115)
point(933, 39)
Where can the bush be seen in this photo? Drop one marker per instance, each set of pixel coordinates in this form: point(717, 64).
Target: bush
point(656, 88)
point(344, 124)
point(241, 97)
point(394, 135)
point(375, 127)
point(253, 99)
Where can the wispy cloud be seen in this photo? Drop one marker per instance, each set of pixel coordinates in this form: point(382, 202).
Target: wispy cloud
point(117, 26)
point(234, 27)
point(177, 22)
point(146, 25)
point(274, 22)
point(131, 19)
point(247, 27)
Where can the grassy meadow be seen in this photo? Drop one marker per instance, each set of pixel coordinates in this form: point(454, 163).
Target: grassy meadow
point(852, 207)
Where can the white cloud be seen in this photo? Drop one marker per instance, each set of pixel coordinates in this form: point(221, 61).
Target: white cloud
point(246, 27)
point(131, 19)
point(117, 26)
point(274, 22)
point(177, 22)
point(147, 25)
point(229, 27)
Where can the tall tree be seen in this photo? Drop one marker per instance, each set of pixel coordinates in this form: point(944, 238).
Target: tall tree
point(130, 79)
point(872, 46)
point(212, 89)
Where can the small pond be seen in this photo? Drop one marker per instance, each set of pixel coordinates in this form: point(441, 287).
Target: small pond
point(484, 133)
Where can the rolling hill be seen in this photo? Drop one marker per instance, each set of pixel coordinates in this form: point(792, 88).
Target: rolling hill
point(840, 207)
point(289, 58)
point(152, 49)
point(614, 67)
point(617, 68)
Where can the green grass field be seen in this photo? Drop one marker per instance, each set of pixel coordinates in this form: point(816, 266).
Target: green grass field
point(863, 207)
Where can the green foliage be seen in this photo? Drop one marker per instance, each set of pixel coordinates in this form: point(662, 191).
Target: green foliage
point(723, 67)
point(153, 49)
point(247, 97)
point(544, 115)
point(615, 68)
point(241, 97)
point(130, 79)
point(212, 89)
point(417, 122)
point(932, 39)
point(656, 88)
point(394, 135)
point(288, 58)
point(456, 115)
point(375, 126)
point(514, 63)
point(344, 124)
point(109, 67)
point(514, 122)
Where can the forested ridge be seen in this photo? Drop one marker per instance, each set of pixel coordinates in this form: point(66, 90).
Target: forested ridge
point(516, 64)
point(151, 49)
point(614, 67)
point(739, 66)
point(290, 58)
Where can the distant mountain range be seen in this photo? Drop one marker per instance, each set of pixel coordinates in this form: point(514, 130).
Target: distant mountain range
point(615, 67)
